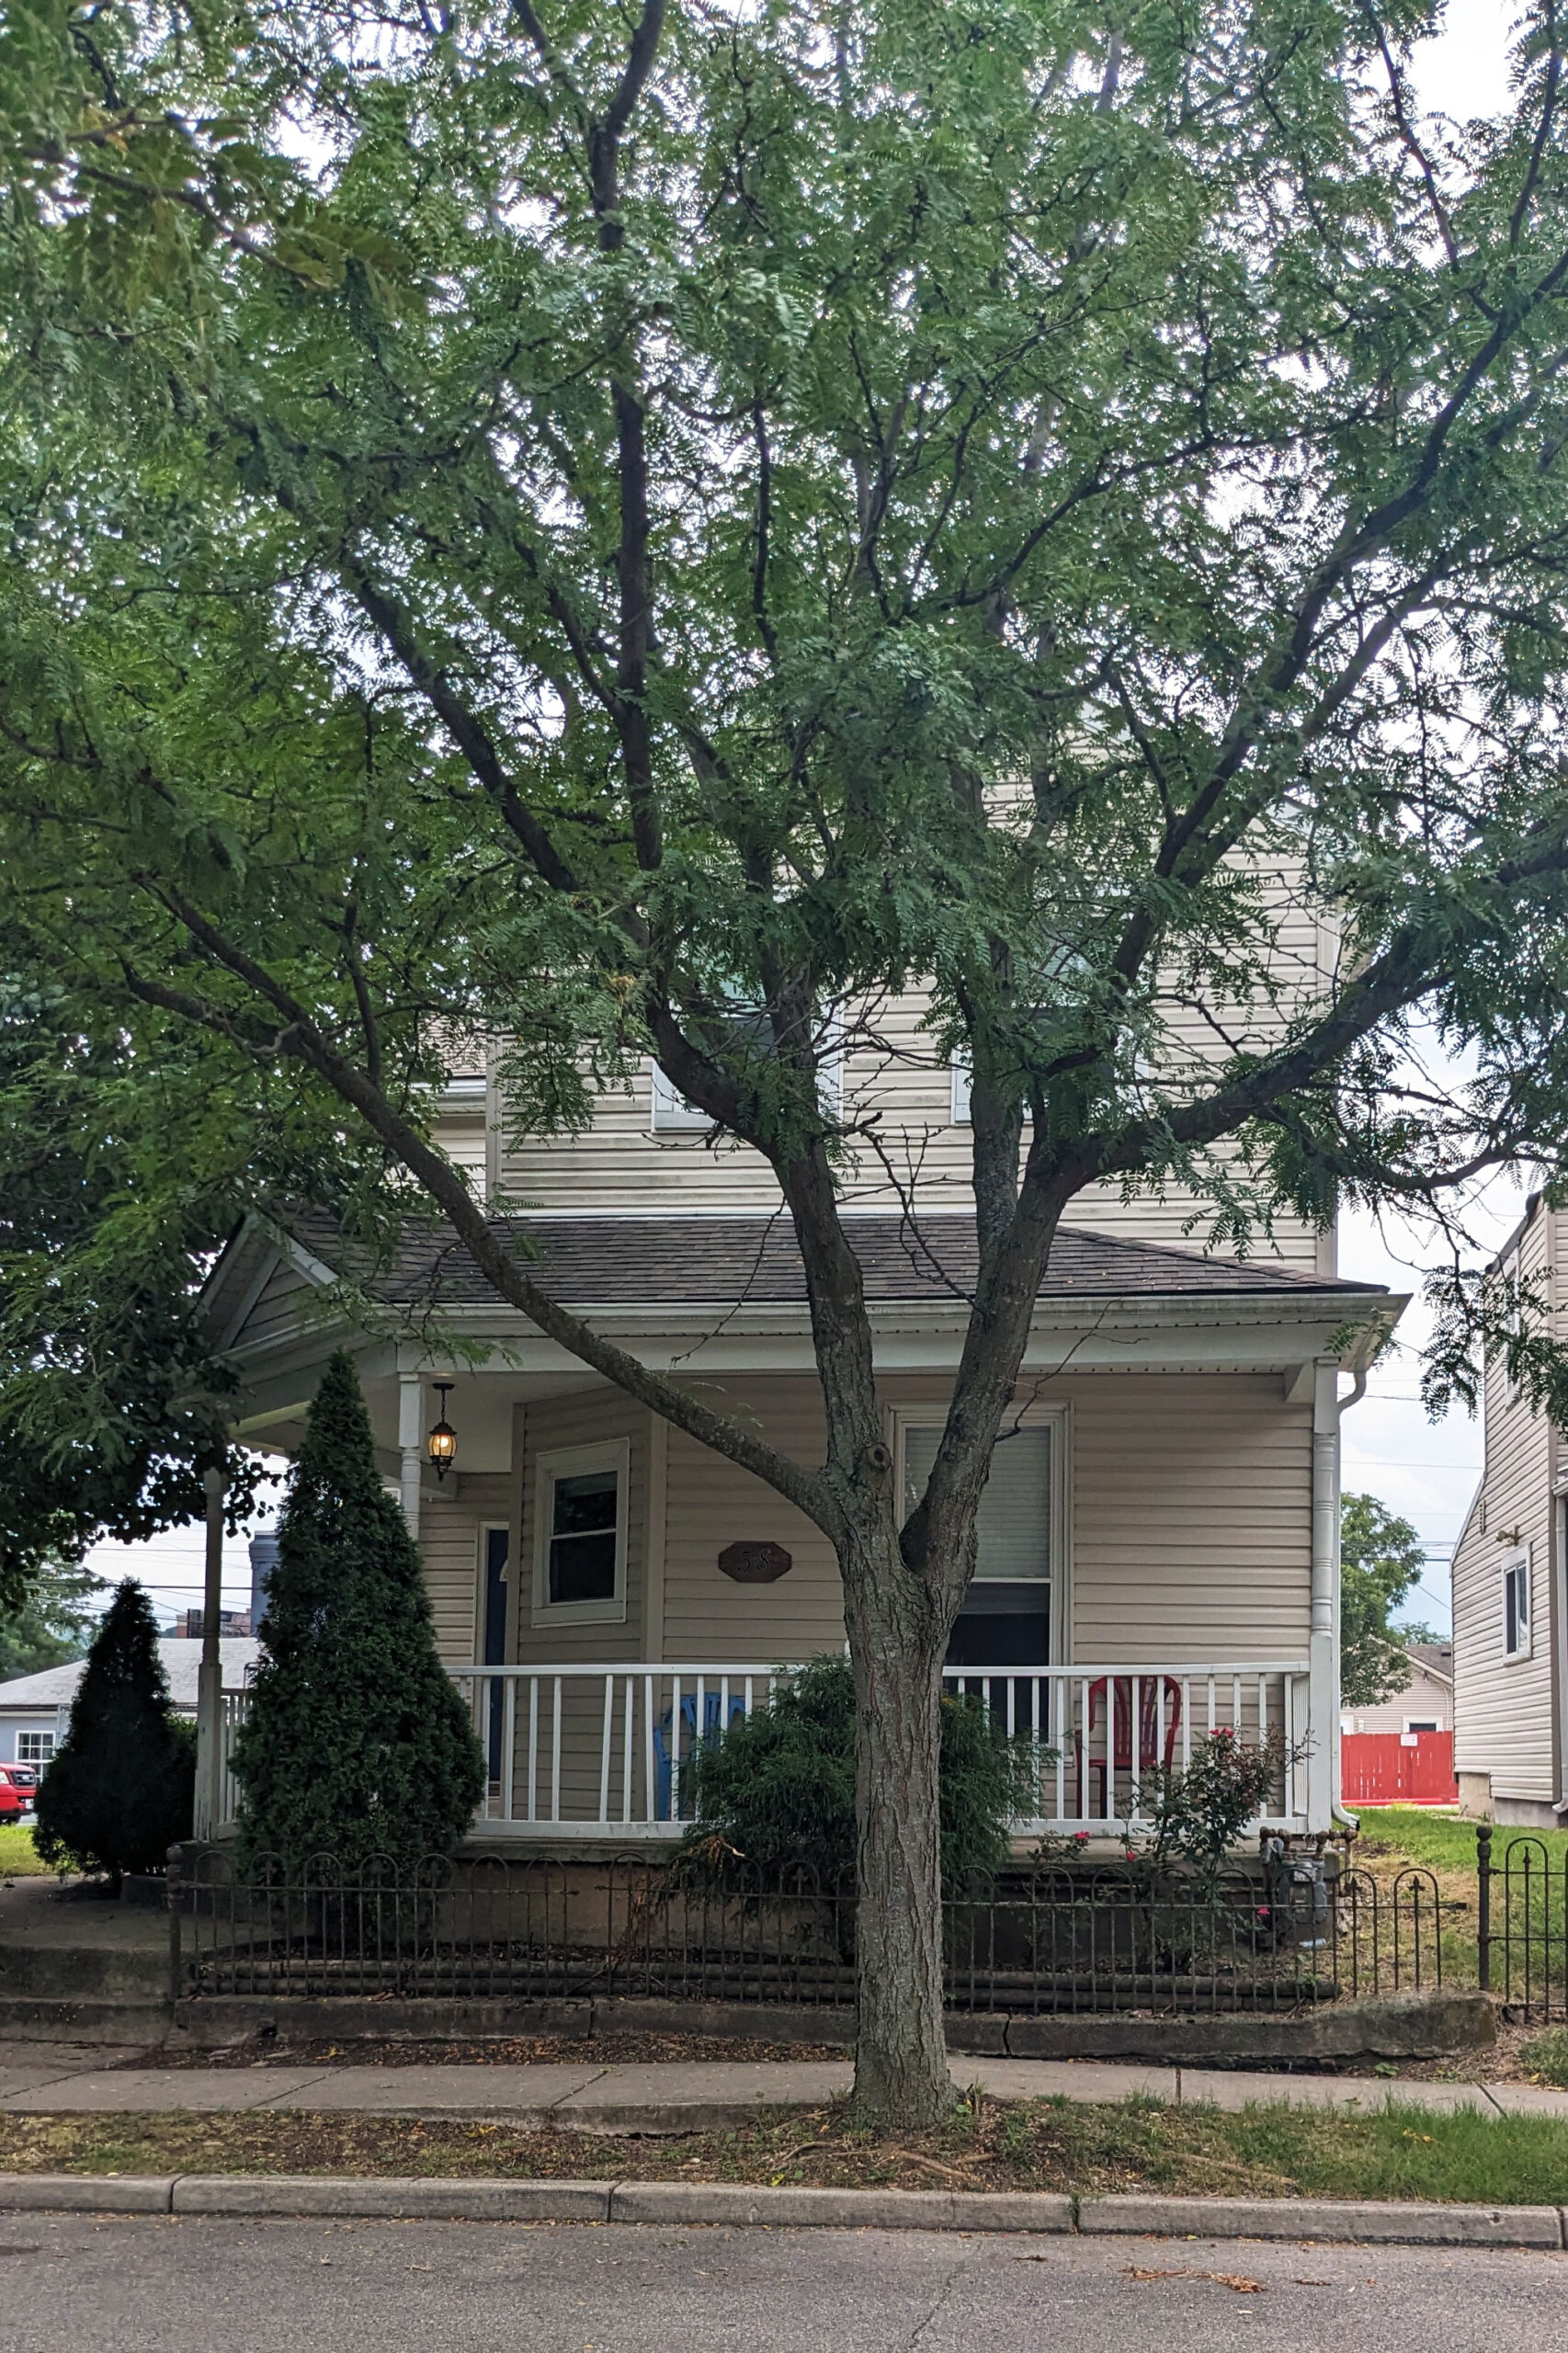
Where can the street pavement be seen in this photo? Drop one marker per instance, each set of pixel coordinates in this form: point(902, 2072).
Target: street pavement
point(192, 2286)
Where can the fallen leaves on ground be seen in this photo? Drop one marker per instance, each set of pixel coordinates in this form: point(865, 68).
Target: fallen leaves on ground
point(1237, 2281)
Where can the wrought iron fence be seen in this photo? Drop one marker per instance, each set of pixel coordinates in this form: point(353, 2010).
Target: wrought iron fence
point(1037, 1942)
point(1522, 1923)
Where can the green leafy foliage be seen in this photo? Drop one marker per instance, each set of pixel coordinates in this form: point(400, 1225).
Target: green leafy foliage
point(112, 1400)
point(1197, 1811)
point(358, 1743)
point(632, 538)
point(54, 1623)
point(1381, 1557)
point(777, 1790)
point(117, 1794)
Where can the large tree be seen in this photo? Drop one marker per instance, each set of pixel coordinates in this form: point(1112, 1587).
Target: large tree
point(111, 1205)
point(660, 531)
point(1381, 1557)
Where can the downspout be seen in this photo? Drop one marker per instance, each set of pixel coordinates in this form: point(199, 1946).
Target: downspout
point(1340, 1406)
point(209, 1683)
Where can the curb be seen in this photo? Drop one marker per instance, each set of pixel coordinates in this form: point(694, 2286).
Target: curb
point(387, 2198)
point(1385, 2224)
point(855, 2210)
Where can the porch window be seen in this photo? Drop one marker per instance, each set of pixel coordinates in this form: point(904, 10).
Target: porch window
point(1516, 1606)
point(1005, 1617)
point(580, 1545)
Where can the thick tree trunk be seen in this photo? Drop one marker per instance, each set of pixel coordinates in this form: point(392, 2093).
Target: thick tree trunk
point(897, 1639)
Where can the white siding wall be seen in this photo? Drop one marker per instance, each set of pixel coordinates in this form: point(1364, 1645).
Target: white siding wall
point(1502, 1709)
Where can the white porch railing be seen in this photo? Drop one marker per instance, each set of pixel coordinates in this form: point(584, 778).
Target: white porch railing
point(601, 1751)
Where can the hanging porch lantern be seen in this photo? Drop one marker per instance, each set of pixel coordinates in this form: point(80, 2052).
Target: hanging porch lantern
point(442, 1443)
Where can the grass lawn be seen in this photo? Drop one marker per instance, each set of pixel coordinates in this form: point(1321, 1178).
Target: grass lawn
point(1445, 1842)
point(19, 1857)
point(1395, 1836)
point(1036, 2144)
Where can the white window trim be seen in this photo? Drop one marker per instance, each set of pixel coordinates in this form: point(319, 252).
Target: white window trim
point(671, 1112)
point(35, 1735)
point(960, 1070)
point(567, 1463)
point(1516, 1560)
point(1058, 1419)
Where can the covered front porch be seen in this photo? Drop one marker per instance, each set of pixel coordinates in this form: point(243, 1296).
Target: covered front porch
point(1158, 1546)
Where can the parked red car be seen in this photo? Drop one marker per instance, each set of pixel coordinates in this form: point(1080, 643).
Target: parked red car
point(18, 1787)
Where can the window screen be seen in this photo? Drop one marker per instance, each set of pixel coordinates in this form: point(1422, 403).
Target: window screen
point(1517, 1609)
point(1005, 1620)
point(584, 1514)
point(1015, 1510)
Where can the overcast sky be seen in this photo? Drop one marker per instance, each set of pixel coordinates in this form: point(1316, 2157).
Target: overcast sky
point(1425, 1471)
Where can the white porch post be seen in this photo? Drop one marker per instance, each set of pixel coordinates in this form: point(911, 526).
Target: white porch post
point(209, 1684)
point(409, 1437)
point(1323, 1695)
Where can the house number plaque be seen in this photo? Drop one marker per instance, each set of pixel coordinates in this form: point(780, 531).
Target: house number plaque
point(754, 1563)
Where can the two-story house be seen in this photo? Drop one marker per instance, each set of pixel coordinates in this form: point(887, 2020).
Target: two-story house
point(1510, 1626)
point(1159, 1535)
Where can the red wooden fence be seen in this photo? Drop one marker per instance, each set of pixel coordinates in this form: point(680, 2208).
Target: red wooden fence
point(1398, 1769)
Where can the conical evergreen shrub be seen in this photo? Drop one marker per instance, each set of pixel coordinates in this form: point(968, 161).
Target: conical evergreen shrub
point(119, 1790)
point(358, 1742)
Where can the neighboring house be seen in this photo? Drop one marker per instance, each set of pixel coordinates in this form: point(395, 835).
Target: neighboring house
point(1425, 1705)
point(1159, 1535)
point(1510, 1643)
point(34, 1708)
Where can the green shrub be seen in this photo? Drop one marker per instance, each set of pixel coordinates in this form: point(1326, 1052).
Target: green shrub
point(778, 1790)
point(358, 1743)
point(118, 1792)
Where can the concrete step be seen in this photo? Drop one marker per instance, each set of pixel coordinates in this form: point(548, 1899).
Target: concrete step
point(25, 2019)
point(99, 1971)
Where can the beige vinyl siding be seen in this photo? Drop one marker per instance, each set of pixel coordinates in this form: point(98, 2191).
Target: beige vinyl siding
point(450, 1542)
point(589, 1418)
point(1191, 1519)
point(893, 1073)
point(1425, 1696)
point(277, 1314)
point(1189, 1529)
point(463, 1142)
point(712, 1503)
point(1502, 1707)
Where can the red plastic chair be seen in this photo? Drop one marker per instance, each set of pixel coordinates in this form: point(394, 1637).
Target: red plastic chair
point(1149, 1755)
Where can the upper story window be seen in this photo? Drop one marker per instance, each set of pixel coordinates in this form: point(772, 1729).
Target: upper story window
point(580, 1534)
point(672, 1113)
point(962, 1078)
point(1517, 1604)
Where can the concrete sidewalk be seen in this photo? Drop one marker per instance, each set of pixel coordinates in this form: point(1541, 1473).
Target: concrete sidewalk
point(61, 2079)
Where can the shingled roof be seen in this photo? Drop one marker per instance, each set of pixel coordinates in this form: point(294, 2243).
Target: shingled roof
point(648, 1261)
